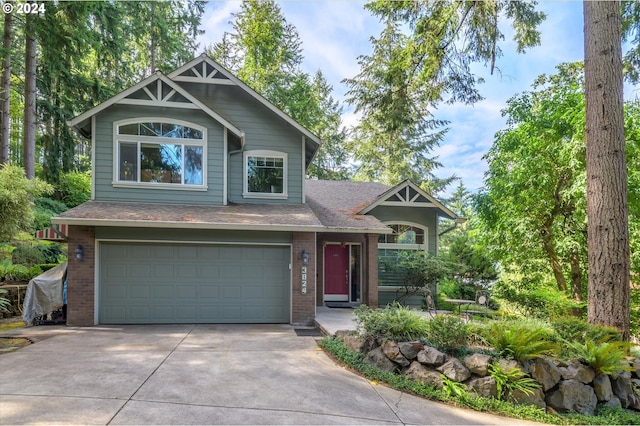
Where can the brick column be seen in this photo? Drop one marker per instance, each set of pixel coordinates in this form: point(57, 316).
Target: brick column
point(371, 264)
point(81, 277)
point(303, 310)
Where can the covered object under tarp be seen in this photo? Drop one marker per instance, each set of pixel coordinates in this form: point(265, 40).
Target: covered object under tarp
point(45, 293)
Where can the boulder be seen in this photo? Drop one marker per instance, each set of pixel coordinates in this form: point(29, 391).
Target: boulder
point(545, 372)
point(602, 388)
point(392, 351)
point(341, 334)
point(378, 359)
point(417, 371)
point(572, 395)
point(354, 343)
point(455, 370)
point(410, 349)
point(622, 388)
point(484, 386)
point(536, 398)
point(578, 371)
point(431, 356)
point(478, 364)
point(636, 368)
point(614, 402)
point(509, 364)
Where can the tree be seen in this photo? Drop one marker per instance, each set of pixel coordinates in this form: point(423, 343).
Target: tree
point(533, 206)
point(394, 136)
point(5, 90)
point(446, 37)
point(265, 51)
point(607, 205)
point(29, 144)
point(16, 193)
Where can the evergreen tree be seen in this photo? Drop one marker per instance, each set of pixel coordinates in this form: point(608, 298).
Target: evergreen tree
point(392, 141)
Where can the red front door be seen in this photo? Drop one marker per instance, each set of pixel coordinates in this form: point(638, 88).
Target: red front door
point(336, 273)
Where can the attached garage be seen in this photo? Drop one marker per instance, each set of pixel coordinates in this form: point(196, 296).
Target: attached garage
point(149, 283)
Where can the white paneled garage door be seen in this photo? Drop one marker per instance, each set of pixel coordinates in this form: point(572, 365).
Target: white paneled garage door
point(189, 283)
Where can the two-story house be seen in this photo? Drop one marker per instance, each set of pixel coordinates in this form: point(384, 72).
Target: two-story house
point(201, 213)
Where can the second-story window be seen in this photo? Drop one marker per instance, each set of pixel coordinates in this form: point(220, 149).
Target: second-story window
point(265, 174)
point(160, 152)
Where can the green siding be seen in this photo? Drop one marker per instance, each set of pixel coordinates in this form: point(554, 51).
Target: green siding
point(264, 130)
point(105, 191)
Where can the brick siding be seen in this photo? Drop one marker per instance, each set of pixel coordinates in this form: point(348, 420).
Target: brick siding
point(303, 305)
point(81, 277)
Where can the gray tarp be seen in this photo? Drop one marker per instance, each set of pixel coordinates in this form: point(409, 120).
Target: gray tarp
point(44, 293)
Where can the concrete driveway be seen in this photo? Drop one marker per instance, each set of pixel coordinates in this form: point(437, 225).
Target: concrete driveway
point(197, 374)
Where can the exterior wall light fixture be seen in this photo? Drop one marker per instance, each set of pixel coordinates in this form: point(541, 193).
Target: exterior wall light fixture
point(305, 257)
point(79, 252)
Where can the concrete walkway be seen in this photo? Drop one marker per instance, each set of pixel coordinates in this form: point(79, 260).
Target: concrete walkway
point(197, 374)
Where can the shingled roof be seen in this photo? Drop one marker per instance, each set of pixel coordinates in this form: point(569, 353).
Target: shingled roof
point(269, 217)
point(336, 203)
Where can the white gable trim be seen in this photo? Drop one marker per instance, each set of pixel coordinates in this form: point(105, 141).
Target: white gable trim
point(204, 59)
point(121, 98)
point(402, 192)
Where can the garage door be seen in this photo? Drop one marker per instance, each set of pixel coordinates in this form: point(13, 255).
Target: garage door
point(182, 283)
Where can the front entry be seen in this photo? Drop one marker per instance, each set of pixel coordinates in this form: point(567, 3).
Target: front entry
point(342, 273)
point(336, 273)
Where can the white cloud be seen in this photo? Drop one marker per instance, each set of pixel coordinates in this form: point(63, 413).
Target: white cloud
point(215, 21)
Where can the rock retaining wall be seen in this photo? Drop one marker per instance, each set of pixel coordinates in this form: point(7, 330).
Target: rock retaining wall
point(564, 387)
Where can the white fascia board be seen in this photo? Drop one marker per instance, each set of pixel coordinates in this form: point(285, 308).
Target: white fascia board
point(183, 225)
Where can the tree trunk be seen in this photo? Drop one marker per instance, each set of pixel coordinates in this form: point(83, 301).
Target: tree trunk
point(5, 91)
point(607, 205)
point(576, 275)
point(547, 242)
point(29, 147)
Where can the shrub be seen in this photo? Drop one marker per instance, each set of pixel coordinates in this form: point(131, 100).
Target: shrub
point(511, 380)
point(393, 322)
point(28, 255)
point(11, 272)
point(4, 302)
point(603, 357)
point(520, 340)
point(44, 209)
point(574, 329)
point(75, 188)
point(16, 192)
point(447, 333)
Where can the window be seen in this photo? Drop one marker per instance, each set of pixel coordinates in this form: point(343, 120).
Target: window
point(160, 153)
point(265, 174)
point(403, 235)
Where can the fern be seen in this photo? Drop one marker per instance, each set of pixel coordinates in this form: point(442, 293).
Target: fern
point(452, 388)
point(508, 381)
point(520, 341)
point(603, 357)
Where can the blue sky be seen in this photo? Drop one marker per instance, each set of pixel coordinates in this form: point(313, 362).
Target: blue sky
point(335, 32)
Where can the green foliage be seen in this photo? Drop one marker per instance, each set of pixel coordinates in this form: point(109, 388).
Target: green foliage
point(44, 209)
point(396, 133)
point(603, 357)
point(4, 302)
point(520, 340)
point(447, 333)
point(11, 272)
point(572, 329)
point(452, 388)
point(16, 192)
point(75, 187)
point(29, 254)
point(393, 322)
point(508, 381)
point(417, 269)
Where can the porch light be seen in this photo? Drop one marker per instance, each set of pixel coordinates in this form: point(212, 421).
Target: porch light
point(79, 252)
point(305, 257)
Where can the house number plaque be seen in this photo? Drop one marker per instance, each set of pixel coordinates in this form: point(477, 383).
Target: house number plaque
point(304, 280)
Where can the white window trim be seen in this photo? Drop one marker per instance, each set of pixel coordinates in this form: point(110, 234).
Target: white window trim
point(267, 195)
point(396, 246)
point(116, 183)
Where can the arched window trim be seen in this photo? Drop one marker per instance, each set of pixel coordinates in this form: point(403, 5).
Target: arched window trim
point(138, 139)
point(400, 246)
